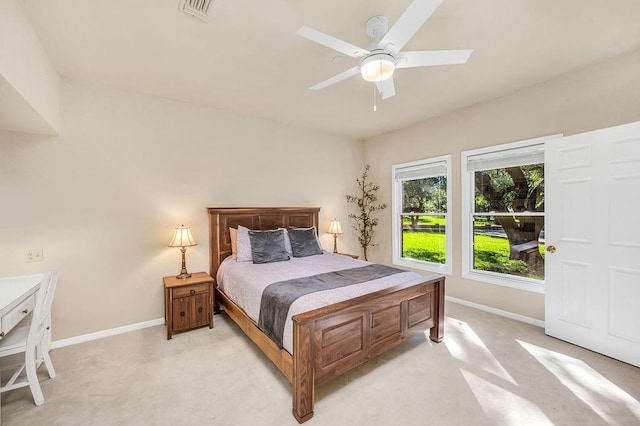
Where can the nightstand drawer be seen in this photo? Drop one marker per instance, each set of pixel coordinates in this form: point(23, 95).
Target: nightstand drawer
point(190, 290)
point(16, 315)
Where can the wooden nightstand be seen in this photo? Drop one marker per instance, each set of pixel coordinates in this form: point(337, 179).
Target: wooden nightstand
point(188, 303)
point(353, 256)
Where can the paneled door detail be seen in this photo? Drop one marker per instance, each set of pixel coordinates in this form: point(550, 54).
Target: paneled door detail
point(592, 239)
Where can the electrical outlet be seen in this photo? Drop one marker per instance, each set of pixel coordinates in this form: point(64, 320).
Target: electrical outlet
point(34, 255)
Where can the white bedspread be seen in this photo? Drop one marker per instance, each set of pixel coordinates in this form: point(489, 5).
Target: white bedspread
point(244, 283)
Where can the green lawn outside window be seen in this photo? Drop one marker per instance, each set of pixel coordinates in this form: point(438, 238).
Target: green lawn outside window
point(490, 254)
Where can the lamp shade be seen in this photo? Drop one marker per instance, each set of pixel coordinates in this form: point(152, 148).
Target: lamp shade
point(377, 67)
point(334, 227)
point(182, 237)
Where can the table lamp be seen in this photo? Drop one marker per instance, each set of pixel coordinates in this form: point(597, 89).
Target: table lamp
point(335, 229)
point(182, 238)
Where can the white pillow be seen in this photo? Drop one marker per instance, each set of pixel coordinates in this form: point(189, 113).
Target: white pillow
point(243, 245)
point(233, 232)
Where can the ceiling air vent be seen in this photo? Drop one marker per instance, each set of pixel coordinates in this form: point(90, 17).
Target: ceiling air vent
point(196, 8)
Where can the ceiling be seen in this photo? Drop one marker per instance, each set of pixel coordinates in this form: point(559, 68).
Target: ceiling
point(246, 58)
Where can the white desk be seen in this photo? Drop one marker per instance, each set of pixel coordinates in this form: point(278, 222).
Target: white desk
point(17, 299)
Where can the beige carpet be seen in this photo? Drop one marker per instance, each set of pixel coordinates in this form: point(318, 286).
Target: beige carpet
point(488, 371)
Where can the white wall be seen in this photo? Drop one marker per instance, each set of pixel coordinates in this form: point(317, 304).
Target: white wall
point(601, 96)
point(29, 85)
point(103, 198)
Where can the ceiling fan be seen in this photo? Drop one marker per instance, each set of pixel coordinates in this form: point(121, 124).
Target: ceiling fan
point(384, 55)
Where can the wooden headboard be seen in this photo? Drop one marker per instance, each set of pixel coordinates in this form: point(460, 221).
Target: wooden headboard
point(259, 218)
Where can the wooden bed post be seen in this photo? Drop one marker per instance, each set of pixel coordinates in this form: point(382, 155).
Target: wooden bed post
point(303, 371)
point(437, 331)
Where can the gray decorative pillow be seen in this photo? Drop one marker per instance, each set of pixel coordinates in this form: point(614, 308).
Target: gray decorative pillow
point(304, 242)
point(268, 246)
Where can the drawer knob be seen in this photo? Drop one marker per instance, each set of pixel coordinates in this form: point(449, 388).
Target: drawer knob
point(25, 311)
point(192, 292)
point(2, 334)
point(200, 309)
point(182, 313)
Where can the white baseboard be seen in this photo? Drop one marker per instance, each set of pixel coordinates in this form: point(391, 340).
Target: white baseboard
point(500, 312)
point(105, 333)
point(160, 321)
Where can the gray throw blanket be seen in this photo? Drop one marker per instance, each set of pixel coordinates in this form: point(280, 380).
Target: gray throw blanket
point(278, 297)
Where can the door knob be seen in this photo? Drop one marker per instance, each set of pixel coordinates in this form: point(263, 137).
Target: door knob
point(551, 249)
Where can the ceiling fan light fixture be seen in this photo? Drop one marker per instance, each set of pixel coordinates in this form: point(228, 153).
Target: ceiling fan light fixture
point(377, 67)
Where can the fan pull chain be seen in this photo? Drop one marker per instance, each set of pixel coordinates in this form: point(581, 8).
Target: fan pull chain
point(375, 108)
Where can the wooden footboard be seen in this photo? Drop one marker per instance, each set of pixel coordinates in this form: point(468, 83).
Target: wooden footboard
point(332, 340)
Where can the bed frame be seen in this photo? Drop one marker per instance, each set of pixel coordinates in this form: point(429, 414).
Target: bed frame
point(334, 339)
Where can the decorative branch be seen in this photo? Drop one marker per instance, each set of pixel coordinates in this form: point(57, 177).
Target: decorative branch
point(364, 222)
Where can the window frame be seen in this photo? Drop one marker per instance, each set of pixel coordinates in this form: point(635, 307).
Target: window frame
point(396, 210)
point(468, 203)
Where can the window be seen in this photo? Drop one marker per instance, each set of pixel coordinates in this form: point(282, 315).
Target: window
point(421, 216)
point(503, 214)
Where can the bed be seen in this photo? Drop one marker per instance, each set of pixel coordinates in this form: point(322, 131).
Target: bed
point(329, 340)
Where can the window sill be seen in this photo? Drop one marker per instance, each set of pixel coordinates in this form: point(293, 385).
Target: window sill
point(520, 283)
point(423, 266)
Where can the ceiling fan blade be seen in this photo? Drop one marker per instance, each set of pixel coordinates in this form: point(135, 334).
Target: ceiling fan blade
point(336, 78)
point(409, 23)
point(426, 58)
point(386, 88)
point(332, 42)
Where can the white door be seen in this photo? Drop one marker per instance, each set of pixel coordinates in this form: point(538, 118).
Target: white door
point(592, 280)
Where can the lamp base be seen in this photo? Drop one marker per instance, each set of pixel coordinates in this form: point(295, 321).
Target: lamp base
point(183, 272)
